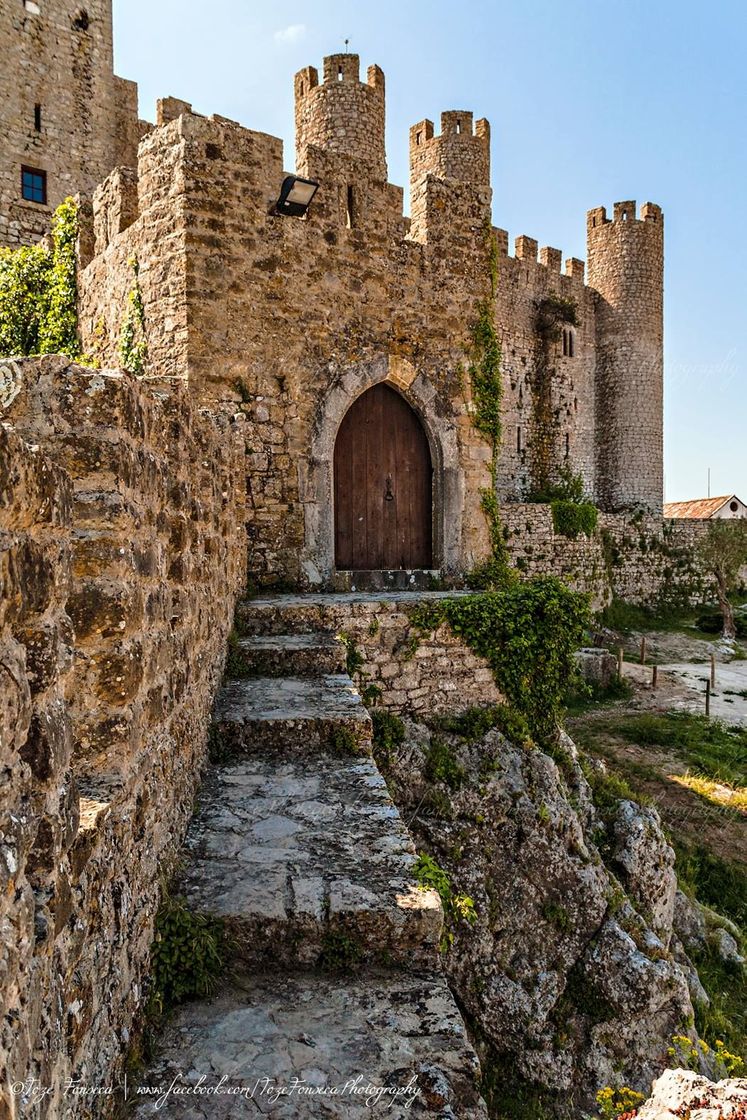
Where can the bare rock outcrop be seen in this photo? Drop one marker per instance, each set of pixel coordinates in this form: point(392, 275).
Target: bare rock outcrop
point(681, 1092)
point(566, 974)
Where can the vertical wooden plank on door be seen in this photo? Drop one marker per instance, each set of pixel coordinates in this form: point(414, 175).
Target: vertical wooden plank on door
point(343, 489)
point(375, 502)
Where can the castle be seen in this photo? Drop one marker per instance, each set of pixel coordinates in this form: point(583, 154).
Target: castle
point(322, 399)
point(296, 320)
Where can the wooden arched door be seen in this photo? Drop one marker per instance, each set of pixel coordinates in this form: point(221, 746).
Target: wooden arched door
point(383, 486)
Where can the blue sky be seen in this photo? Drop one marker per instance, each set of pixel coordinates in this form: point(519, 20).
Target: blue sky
point(589, 102)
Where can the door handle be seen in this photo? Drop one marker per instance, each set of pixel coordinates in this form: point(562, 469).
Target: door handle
point(388, 496)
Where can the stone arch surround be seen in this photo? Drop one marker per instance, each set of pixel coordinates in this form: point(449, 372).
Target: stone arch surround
point(318, 491)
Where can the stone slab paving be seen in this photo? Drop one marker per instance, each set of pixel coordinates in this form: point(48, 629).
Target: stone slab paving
point(297, 846)
point(728, 700)
point(267, 714)
point(291, 852)
point(292, 655)
point(301, 1046)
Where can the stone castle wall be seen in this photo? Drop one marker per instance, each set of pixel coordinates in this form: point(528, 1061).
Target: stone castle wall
point(638, 557)
point(59, 58)
point(121, 553)
point(289, 320)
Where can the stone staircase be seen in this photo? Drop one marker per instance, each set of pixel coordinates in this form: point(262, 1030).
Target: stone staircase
point(335, 984)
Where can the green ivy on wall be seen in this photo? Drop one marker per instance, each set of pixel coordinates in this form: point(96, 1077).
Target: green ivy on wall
point(39, 293)
point(484, 371)
point(572, 512)
point(570, 519)
point(528, 633)
point(553, 313)
point(133, 347)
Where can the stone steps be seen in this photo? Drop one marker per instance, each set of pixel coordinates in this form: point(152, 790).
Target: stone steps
point(305, 856)
point(333, 980)
point(307, 715)
point(322, 613)
point(324, 1040)
point(289, 655)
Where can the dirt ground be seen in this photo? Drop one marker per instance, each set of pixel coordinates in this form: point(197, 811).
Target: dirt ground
point(701, 818)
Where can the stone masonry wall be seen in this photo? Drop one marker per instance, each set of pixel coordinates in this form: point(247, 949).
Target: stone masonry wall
point(290, 320)
point(411, 671)
point(626, 266)
point(638, 557)
point(59, 58)
point(122, 551)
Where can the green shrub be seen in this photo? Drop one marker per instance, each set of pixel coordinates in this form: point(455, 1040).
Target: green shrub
point(388, 734)
point(38, 292)
point(441, 764)
point(343, 742)
point(617, 1102)
point(528, 633)
point(187, 955)
point(457, 907)
point(572, 518)
point(473, 723)
point(133, 347)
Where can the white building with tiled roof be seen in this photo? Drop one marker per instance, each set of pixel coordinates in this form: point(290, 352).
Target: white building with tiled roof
point(726, 506)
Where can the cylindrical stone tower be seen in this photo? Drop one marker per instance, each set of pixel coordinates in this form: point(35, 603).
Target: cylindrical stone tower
point(343, 114)
point(460, 153)
point(626, 267)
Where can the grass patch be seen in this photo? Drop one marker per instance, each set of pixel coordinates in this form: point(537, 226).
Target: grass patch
point(595, 695)
point(625, 617)
point(714, 881)
point(709, 747)
point(726, 1017)
point(473, 723)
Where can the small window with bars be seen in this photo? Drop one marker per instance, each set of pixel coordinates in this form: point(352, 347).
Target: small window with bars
point(34, 185)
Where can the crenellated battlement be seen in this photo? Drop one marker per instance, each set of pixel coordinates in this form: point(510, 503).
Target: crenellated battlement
point(342, 114)
point(528, 251)
point(623, 212)
point(461, 151)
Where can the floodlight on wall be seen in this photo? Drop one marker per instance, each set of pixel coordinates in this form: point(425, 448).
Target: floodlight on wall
point(295, 196)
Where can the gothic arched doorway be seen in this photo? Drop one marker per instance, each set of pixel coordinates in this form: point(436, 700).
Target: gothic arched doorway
point(382, 486)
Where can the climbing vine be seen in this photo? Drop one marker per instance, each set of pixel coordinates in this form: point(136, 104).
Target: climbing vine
point(133, 347)
point(553, 314)
point(528, 633)
point(484, 371)
point(39, 294)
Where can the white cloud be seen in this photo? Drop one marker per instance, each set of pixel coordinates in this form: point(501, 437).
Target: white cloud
point(292, 34)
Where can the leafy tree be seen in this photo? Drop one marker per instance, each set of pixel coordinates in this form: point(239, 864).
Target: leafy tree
point(723, 552)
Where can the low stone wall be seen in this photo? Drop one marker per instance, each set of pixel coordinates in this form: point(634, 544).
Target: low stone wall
point(122, 550)
point(637, 557)
point(414, 671)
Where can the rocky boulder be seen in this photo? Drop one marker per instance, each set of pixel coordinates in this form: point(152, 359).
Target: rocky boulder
point(565, 974)
point(680, 1092)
